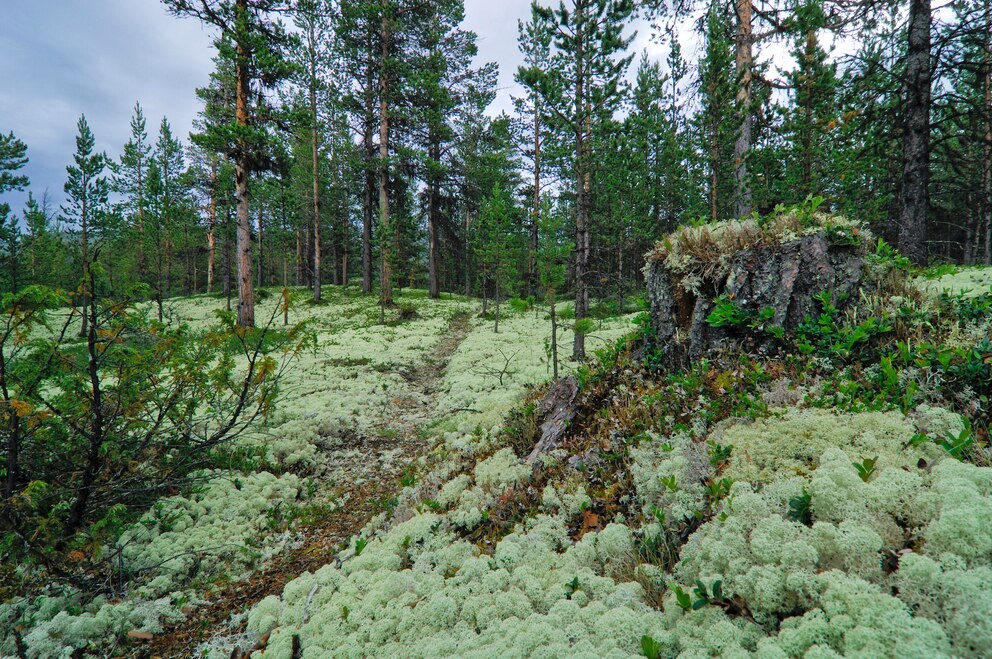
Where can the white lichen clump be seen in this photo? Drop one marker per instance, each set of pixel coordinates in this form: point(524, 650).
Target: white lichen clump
point(897, 564)
point(215, 530)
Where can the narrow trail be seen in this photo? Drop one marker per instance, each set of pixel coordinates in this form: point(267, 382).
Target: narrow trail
point(397, 429)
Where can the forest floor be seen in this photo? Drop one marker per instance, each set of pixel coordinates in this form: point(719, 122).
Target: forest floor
point(816, 503)
point(399, 429)
point(355, 419)
point(809, 502)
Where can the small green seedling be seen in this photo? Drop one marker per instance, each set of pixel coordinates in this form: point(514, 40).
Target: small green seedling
point(956, 446)
point(682, 598)
point(718, 452)
point(800, 509)
point(650, 648)
point(866, 468)
point(717, 490)
point(571, 587)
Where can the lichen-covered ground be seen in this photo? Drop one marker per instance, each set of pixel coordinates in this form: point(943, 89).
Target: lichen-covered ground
point(796, 505)
point(776, 508)
point(968, 280)
point(354, 422)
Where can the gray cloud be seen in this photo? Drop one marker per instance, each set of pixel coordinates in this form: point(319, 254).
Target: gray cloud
point(63, 58)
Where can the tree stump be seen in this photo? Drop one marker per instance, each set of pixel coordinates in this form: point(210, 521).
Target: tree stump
point(767, 270)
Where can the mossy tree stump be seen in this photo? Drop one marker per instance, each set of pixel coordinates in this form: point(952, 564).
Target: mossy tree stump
point(770, 271)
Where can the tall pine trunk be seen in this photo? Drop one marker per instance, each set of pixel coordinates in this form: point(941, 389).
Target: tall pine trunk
point(554, 335)
point(228, 259)
point(142, 265)
point(434, 285)
point(260, 244)
point(536, 212)
point(368, 127)
point(316, 179)
point(385, 284)
point(367, 226)
point(468, 252)
point(299, 256)
point(915, 194)
point(246, 295)
point(987, 119)
point(84, 240)
point(168, 265)
point(745, 74)
point(211, 227)
point(582, 186)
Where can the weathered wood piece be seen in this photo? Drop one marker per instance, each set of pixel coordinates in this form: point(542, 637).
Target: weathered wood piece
point(558, 409)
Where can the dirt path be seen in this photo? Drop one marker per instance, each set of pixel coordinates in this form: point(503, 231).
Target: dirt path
point(399, 427)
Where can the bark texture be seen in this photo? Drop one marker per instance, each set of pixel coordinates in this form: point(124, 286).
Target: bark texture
point(557, 409)
point(915, 194)
point(745, 67)
point(784, 276)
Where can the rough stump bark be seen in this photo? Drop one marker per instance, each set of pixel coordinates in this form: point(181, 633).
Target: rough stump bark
point(783, 276)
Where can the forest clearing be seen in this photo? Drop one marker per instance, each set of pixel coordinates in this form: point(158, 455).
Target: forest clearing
point(530, 328)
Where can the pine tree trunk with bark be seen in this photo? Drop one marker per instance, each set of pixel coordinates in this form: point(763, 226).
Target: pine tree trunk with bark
point(582, 189)
point(386, 271)
point(915, 193)
point(745, 73)
point(315, 163)
point(434, 284)
point(211, 226)
point(246, 295)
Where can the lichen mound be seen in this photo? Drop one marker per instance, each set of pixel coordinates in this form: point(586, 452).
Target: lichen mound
point(774, 266)
point(892, 565)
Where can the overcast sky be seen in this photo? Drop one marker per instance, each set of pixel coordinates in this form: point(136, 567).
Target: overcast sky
point(63, 58)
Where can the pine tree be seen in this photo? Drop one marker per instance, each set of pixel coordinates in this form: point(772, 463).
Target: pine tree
point(13, 156)
point(646, 126)
point(808, 122)
point(445, 86)
point(399, 25)
point(584, 84)
point(213, 175)
point(87, 193)
point(42, 245)
point(357, 33)
point(914, 201)
point(534, 43)
point(11, 242)
point(312, 20)
point(130, 181)
point(255, 43)
point(486, 159)
point(494, 244)
point(680, 194)
point(170, 163)
point(715, 122)
point(554, 253)
point(961, 169)
point(868, 140)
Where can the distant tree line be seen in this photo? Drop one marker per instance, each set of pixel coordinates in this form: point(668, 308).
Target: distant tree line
point(349, 143)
